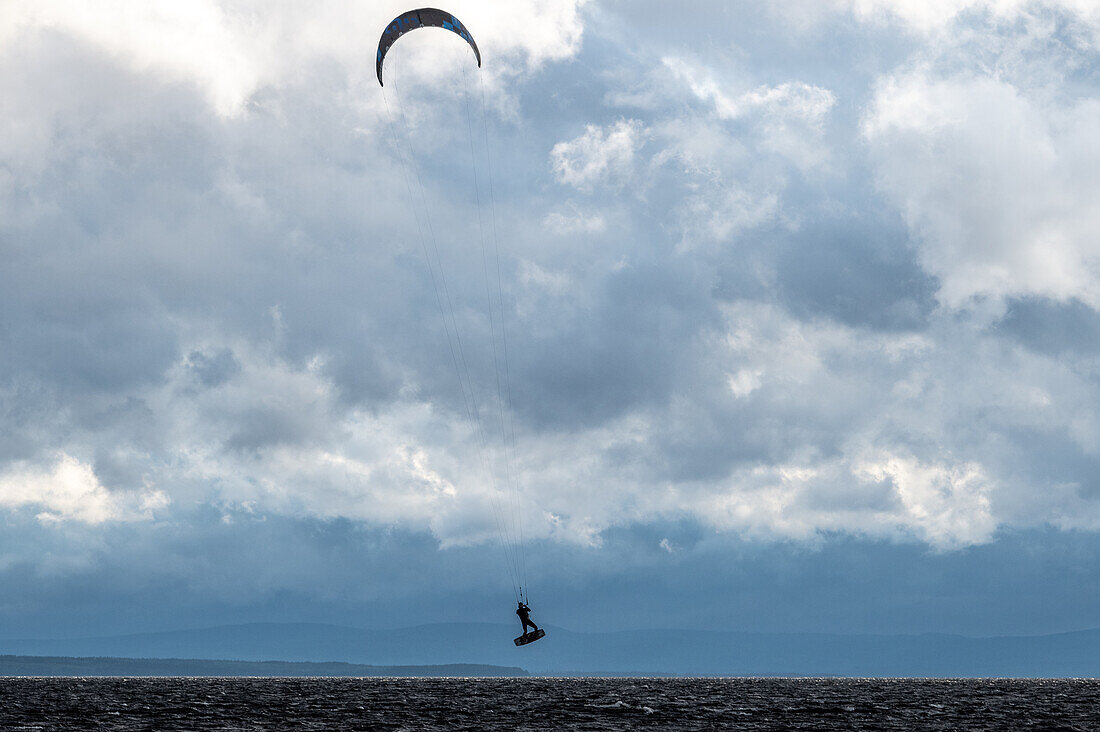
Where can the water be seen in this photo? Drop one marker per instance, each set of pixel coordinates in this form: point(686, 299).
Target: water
point(546, 704)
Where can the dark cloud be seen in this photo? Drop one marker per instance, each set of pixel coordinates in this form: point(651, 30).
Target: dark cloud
point(1054, 456)
point(624, 350)
point(271, 569)
point(861, 272)
point(1052, 327)
point(213, 369)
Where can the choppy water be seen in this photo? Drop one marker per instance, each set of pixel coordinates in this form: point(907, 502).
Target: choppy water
point(545, 704)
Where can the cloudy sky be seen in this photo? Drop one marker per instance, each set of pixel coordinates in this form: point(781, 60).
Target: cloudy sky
point(801, 300)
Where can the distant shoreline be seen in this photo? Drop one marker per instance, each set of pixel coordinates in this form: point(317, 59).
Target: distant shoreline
point(23, 666)
point(306, 649)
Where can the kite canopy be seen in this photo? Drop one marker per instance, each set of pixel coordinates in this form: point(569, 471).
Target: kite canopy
point(422, 18)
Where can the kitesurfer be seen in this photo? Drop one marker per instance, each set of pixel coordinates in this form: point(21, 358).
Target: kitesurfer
point(522, 611)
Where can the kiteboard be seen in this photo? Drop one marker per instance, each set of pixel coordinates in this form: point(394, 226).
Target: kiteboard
point(529, 637)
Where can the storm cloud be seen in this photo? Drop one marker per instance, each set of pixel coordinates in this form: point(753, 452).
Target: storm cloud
point(809, 277)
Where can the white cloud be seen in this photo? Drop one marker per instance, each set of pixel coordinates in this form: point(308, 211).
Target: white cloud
point(539, 31)
point(995, 182)
point(744, 382)
point(230, 49)
point(945, 506)
point(537, 278)
point(948, 505)
point(794, 100)
point(70, 491)
point(928, 15)
point(931, 16)
point(716, 212)
point(602, 155)
point(894, 394)
point(572, 220)
point(788, 118)
point(199, 41)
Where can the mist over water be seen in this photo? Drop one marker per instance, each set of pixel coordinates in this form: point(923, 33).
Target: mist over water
point(546, 704)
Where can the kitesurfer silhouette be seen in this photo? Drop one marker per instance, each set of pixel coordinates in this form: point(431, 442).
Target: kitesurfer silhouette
point(522, 611)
